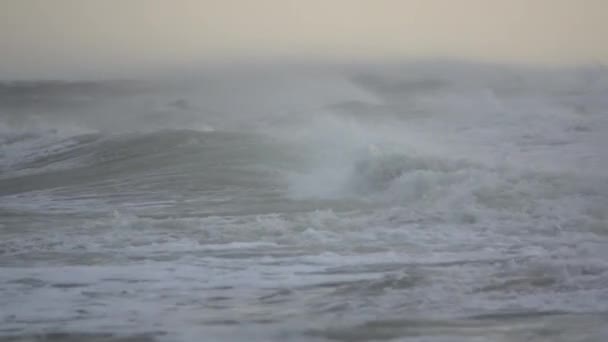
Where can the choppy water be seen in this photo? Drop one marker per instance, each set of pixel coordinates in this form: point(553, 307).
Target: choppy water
point(414, 204)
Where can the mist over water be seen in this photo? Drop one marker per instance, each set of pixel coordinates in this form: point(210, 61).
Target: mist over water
point(415, 202)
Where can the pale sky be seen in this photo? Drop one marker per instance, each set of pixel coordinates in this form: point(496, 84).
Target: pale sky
point(50, 37)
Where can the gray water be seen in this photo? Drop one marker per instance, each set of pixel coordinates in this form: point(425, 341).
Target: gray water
point(412, 203)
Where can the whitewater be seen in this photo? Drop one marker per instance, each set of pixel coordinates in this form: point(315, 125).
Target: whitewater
point(416, 202)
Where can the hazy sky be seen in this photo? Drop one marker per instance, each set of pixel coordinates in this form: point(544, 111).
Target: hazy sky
point(51, 37)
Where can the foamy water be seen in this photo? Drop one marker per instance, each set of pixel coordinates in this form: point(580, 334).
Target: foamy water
point(420, 203)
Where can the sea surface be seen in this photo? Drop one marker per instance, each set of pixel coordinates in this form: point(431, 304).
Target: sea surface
point(421, 202)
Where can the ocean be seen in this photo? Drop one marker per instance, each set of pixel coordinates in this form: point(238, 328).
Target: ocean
point(414, 202)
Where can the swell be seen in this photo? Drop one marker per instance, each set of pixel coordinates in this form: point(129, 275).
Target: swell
point(51, 161)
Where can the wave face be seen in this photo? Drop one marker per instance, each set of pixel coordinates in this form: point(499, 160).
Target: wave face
point(418, 202)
